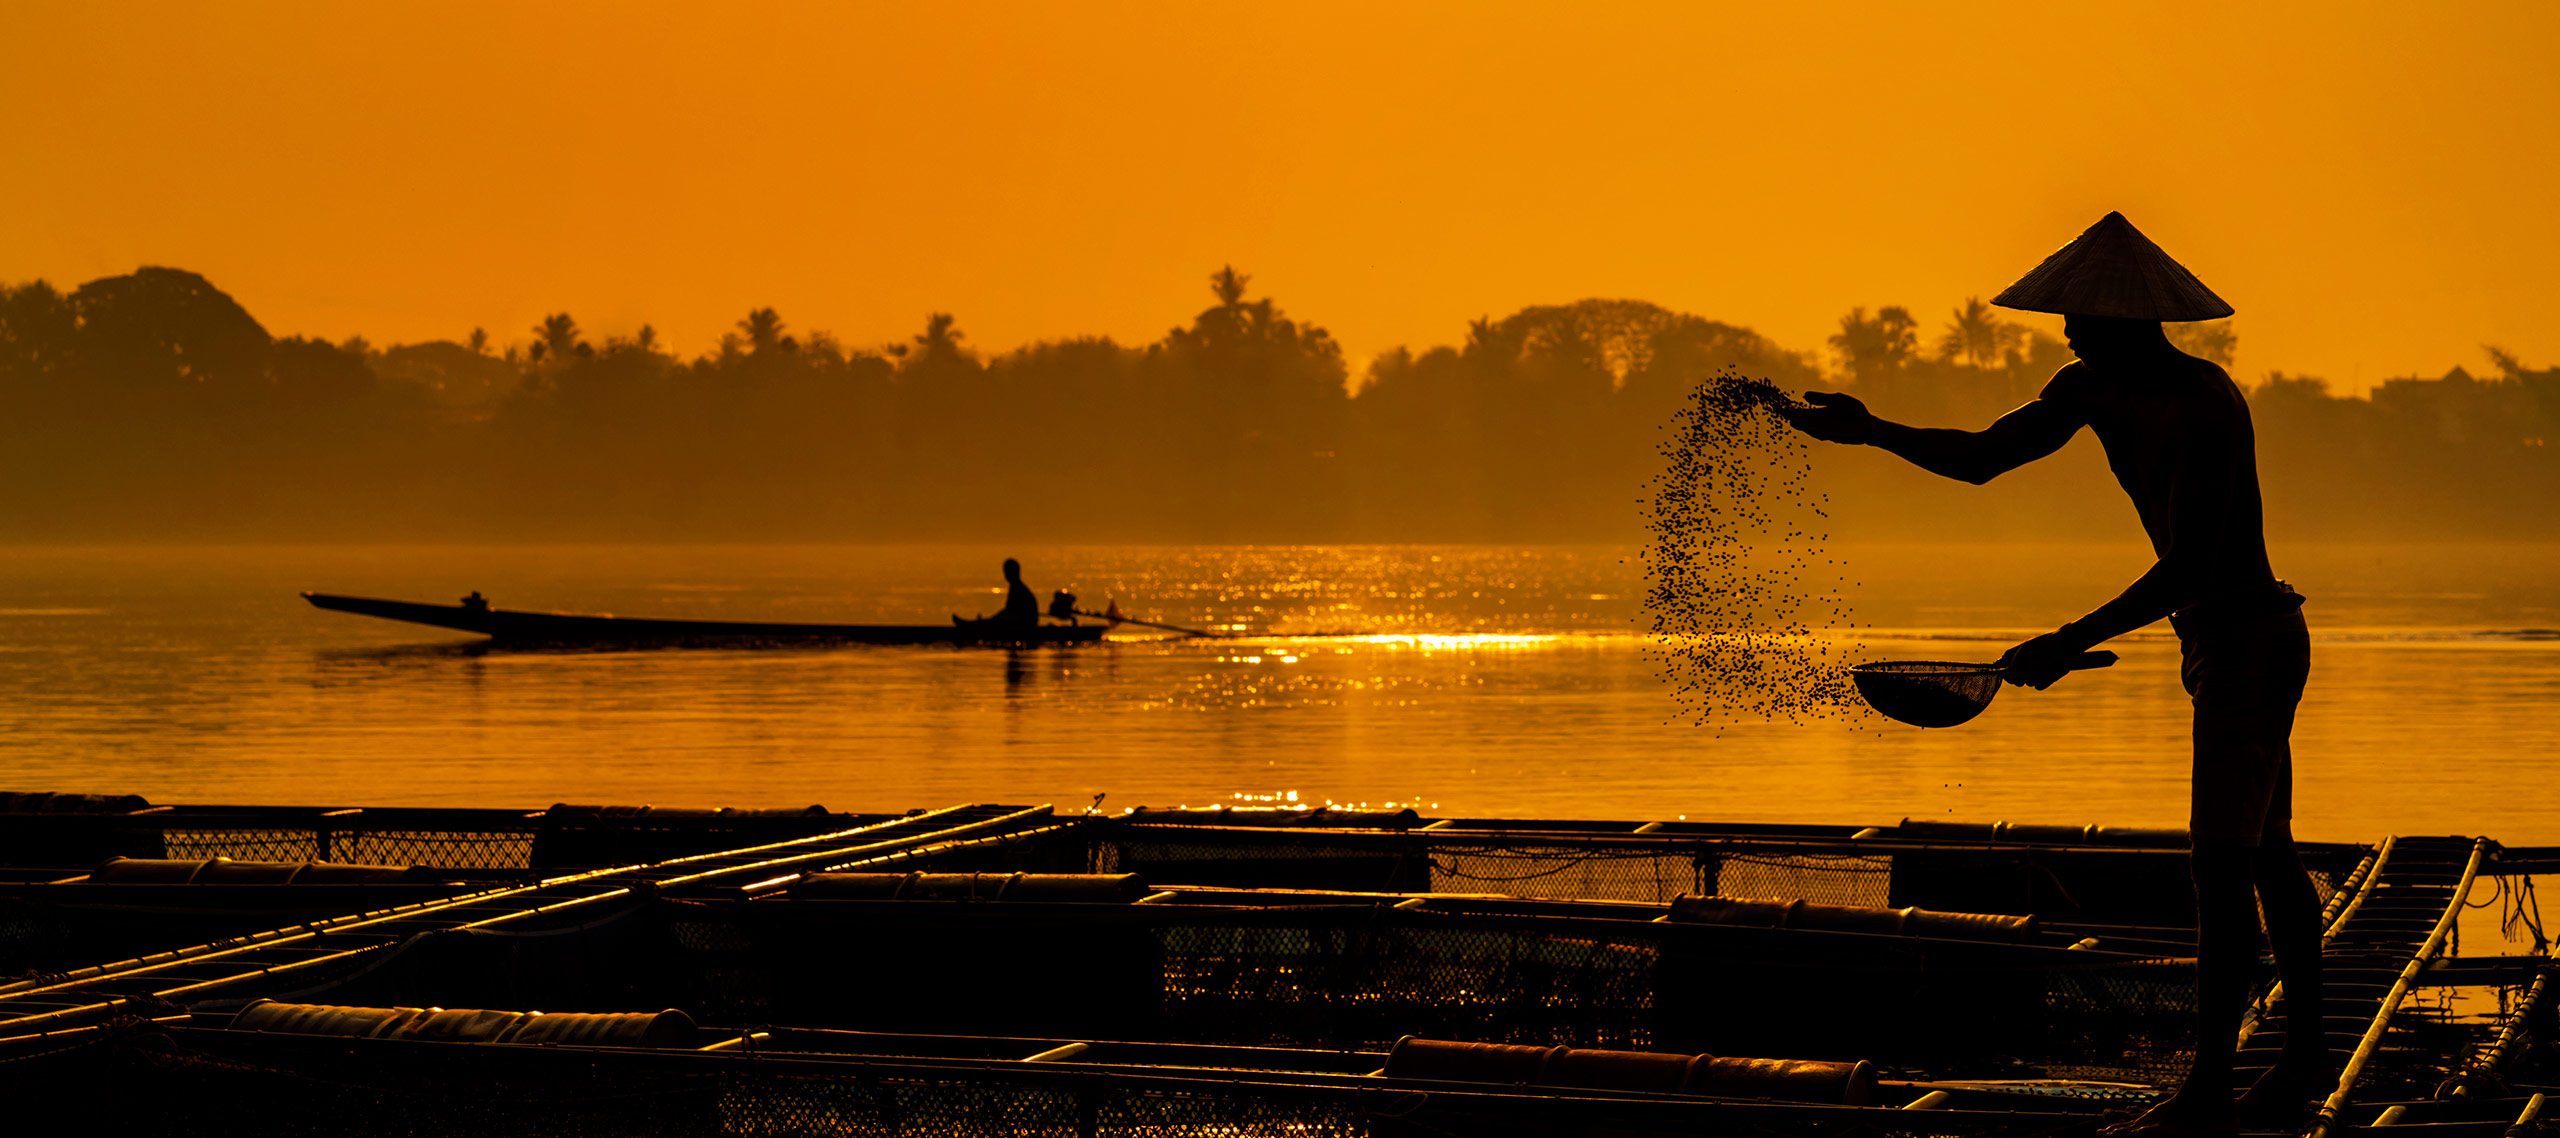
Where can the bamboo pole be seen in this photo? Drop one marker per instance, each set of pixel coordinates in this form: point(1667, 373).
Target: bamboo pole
point(2336, 1104)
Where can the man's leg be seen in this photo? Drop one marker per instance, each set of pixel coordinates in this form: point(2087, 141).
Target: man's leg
point(2238, 785)
point(2304, 1070)
point(2226, 956)
point(2226, 962)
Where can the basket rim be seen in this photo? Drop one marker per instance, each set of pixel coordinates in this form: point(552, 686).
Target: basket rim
point(1895, 667)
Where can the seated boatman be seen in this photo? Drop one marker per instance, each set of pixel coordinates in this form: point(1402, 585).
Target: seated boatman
point(2177, 434)
point(1021, 607)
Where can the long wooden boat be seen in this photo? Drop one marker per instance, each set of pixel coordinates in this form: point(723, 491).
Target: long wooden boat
point(514, 627)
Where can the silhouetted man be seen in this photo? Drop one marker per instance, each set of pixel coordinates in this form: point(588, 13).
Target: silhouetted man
point(1021, 608)
point(2177, 434)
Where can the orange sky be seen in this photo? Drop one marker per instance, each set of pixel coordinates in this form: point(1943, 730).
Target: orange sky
point(2371, 187)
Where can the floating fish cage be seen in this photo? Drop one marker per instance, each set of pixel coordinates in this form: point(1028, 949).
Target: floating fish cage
point(85, 878)
point(77, 830)
point(1304, 968)
point(220, 1079)
point(993, 969)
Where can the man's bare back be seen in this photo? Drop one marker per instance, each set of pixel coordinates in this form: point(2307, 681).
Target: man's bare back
point(2177, 435)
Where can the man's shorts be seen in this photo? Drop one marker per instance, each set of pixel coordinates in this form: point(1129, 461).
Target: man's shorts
point(2246, 675)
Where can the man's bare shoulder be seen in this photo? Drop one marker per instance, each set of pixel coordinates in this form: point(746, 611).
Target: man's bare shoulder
point(2214, 375)
point(2071, 385)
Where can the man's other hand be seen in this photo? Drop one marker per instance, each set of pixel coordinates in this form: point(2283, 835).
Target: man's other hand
point(1833, 418)
point(2039, 662)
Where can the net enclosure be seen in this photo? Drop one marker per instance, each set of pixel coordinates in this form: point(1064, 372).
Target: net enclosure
point(1931, 950)
point(175, 1080)
point(1306, 967)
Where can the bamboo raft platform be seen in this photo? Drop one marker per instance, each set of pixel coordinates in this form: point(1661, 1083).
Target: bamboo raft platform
point(1004, 969)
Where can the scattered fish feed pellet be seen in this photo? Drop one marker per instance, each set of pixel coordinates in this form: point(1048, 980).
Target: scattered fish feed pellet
point(1745, 606)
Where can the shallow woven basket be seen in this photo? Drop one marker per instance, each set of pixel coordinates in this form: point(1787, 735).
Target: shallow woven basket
point(1927, 693)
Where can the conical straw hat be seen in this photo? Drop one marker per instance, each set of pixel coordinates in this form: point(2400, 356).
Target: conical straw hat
point(2111, 269)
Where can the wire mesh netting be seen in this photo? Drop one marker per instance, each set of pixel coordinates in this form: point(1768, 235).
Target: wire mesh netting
point(1834, 879)
point(1359, 976)
point(290, 844)
point(960, 1106)
point(1553, 871)
point(442, 849)
point(2131, 1024)
point(222, 1084)
point(2120, 886)
point(212, 1083)
point(1346, 985)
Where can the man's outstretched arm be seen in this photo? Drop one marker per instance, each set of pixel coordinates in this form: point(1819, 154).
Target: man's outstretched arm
point(2022, 436)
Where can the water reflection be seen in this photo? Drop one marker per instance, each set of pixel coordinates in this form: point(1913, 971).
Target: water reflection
point(1487, 680)
point(1050, 668)
point(400, 652)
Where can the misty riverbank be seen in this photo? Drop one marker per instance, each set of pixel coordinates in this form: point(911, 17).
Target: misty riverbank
point(152, 406)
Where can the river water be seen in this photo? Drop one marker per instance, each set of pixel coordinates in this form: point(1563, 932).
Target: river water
point(1468, 680)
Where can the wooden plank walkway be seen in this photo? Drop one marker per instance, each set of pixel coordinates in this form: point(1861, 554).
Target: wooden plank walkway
point(2512, 1117)
point(2377, 943)
point(245, 966)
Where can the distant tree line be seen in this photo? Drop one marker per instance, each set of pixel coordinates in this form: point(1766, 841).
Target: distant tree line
point(153, 406)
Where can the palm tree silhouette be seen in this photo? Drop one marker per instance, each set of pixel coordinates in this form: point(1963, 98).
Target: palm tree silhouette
point(1977, 334)
point(940, 339)
point(1229, 285)
point(558, 335)
point(1872, 347)
point(763, 327)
